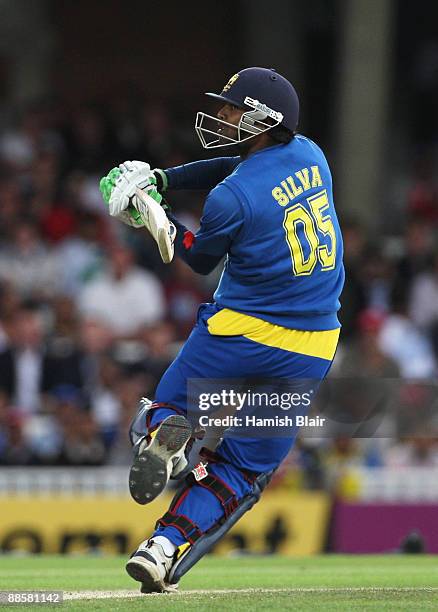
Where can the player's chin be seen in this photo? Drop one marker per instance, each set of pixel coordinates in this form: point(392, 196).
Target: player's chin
point(227, 136)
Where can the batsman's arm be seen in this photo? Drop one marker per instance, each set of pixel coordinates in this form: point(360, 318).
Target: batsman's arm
point(221, 221)
point(204, 174)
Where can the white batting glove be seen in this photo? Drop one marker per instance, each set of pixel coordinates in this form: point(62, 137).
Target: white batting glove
point(118, 187)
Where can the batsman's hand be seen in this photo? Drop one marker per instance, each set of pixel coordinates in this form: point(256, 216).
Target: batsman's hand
point(118, 189)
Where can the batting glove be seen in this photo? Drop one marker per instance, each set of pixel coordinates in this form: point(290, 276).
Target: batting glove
point(118, 189)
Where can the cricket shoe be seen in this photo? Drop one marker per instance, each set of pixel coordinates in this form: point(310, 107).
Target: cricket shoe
point(159, 456)
point(150, 565)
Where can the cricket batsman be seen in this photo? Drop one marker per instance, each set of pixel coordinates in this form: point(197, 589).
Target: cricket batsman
point(270, 214)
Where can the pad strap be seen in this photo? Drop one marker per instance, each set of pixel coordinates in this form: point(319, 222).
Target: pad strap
point(184, 525)
point(219, 488)
point(192, 554)
point(213, 457)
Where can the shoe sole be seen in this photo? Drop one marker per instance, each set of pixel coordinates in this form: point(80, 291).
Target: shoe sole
point(149, 472)
point(147, 574)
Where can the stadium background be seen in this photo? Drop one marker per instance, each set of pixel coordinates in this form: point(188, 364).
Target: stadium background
point(84, 86)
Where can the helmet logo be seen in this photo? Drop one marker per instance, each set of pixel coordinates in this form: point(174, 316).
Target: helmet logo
point(231, 82)
point(269, 112)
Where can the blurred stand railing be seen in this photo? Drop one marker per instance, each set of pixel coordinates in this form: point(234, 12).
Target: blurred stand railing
point(402, 484)
point(360, 484)
point(64, 481)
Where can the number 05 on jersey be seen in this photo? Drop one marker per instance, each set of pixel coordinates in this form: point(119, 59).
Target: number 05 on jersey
point(310, 235)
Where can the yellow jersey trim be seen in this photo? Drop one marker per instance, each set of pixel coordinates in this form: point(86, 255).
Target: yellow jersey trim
point(320, 344)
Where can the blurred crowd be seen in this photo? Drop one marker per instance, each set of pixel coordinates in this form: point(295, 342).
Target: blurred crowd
point(90, 318)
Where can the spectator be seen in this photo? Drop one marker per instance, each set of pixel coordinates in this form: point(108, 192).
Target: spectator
point(377, 279)
point(129, 390)
point(340, 456)
point(162, 347)
point(4, 418)
point(104, 401)
point(365, 357)
point(10, 209)
point(80, 256)
point(404, 343)
point(16, 450)
point(96, 341)
point(9, 305)
point(418, 243)
point(125, 296)
point(82, 445)
point(423, 306)
point(29, 265)
point(63, 359)
point(423, 194)
point(29, 366)
point(21, 364)
point(19, 145)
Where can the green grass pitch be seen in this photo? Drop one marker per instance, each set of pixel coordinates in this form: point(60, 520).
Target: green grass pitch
point(331, 582)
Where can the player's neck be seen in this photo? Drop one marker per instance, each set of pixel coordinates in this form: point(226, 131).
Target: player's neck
point(263, 141)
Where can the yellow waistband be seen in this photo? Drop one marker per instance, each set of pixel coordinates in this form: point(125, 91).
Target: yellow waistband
point(320, 344)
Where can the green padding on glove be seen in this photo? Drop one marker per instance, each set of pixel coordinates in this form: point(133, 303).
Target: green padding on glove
point(107, 184)
point(155, 195)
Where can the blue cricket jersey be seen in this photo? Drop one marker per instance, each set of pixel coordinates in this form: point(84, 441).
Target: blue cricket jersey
point(272, 215)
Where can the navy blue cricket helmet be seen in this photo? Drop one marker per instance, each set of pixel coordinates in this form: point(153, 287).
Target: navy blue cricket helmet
point(265, 93)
